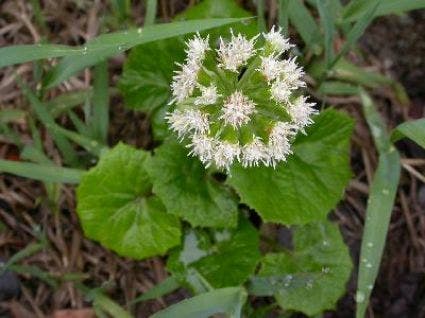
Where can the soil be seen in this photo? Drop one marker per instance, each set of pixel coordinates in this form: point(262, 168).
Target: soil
point(394, 45)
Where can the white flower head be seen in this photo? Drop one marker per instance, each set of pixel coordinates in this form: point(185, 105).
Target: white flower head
point(237, 109)
point(214, 119)
point(277, 41)
point(301, 112)
point(236, 52)
point(225, 154)
point(186, 121)
point(184, 81)
point(271, 67)
point(254, 153)
point(208, 96)
point(280, 91)
point(196, 48)
point(292, 73)
point(203, 146)
point(279, 146)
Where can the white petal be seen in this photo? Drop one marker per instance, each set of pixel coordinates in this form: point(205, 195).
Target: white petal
point(237, 109)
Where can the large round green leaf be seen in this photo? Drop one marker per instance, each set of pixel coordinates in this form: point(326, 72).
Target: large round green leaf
point(312, 277)
point(309, 183)
point(116, 207)
point(187, 190)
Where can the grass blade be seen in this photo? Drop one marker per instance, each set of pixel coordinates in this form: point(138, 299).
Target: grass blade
point(67, 101)
point(151, 7)
point(414, 130)
point(167, 286)
point(305, 24)
point(284, 16)
point(11, 115)
point(16, 54)
point(225, 300)
point(107, 45)
point(356, 31)
point(356, 9)
point(99, 120)
point(380, 204)
point(40, 172)
point(261, 20)
point(44, 116)
point(328, 25)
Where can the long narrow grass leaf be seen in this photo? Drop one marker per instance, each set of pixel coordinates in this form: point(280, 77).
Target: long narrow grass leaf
point(356, 9)
point(357, 30)
point(261, 18)
point(67, 101)
point(226, 301)
point(151, 7)
point(102, 47)
point(305, 24)
point(40, 172)
point(167, 286)
point(376, 123)
point(328, 25)
point(100, 117)
point(380, 204)
point(11, 115)
point(284, 16)
point(44, 116)
point(414, 130)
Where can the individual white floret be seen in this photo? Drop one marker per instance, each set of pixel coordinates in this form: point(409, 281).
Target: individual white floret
point(271, 67)
point(225, 154)
point(279, 146)
point(184, 81)
point(280, 91)
point(203, 147)
point(208, 96)
point(236, 52)
point(292, 74)
point(237, 109)
point(301, 112)
point(254, 153)
point(196, 48)
point(188, 121)
point(277, 41)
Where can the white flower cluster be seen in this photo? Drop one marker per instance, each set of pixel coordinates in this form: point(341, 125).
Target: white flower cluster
point(221, 112)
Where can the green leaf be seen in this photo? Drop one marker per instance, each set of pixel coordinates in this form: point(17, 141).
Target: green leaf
point(99, 120)
point(380, 205)
point(187, 190)
point(222, 257)
point(414, 130)
point(48, 173)
point(356, 9)
point(357, 30)
point(378, 214)
point(167, 286)
point(303, 21)
point(151, 7)
point(226, 301)
point(108, 45)
point(116, 207)
point(375, 122)
point(338, 88)
point(312, 277)
point(145, 83)
point(328, 25)
point(309, 183)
